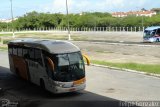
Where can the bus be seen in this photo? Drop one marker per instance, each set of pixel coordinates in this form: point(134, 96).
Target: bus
point(57, 66)
point(152, 34)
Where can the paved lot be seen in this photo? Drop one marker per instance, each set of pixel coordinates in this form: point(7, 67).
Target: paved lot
point(121, 53)
point(102, 85)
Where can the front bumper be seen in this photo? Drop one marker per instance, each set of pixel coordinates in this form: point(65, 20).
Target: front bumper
point(70, 89)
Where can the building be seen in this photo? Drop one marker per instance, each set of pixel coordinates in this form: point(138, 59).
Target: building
point(147, 13)
point(7, 20)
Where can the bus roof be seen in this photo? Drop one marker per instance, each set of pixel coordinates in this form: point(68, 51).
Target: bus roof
point(152, 28)
point(52, 46)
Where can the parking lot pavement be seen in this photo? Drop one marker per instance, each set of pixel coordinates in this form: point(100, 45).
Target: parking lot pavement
point(123, 85)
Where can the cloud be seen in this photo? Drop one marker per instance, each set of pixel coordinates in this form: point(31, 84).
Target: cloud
point(57, 6)
point(77, 6)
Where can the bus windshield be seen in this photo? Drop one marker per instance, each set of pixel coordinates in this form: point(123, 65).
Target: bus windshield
point(149, 33)
point(70, 67)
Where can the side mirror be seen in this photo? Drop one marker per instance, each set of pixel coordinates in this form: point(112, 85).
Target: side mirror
point(51, 63)
point(87, 59)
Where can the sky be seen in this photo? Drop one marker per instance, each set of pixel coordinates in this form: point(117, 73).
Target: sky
point(21, 7)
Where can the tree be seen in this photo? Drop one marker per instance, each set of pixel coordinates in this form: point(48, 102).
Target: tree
point(34, 20)
point(143, 9)
point(157, 10)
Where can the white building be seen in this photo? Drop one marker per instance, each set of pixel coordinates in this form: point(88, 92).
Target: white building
point(136, 13)
point(7, 20)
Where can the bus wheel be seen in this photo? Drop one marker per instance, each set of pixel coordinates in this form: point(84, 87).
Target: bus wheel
point(157, 40)
point(42, 84)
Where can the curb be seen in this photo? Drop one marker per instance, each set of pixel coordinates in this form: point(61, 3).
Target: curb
point(128, 70)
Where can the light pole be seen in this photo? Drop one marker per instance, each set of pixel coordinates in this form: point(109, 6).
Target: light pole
point(13, 35)
point(69, 33)
point(142, 22)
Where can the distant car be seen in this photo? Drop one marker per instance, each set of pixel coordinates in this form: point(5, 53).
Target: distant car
point(152, 34)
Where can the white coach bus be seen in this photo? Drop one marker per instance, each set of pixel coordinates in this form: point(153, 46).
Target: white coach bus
point(56, 66)
point(152, 34)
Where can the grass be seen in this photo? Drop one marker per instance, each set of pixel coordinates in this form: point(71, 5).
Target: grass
point(46, 35)
point(148, 68)
point(3, 48)
point(6, 34)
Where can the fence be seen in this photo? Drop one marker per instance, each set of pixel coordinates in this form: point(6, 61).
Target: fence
point(95, 29)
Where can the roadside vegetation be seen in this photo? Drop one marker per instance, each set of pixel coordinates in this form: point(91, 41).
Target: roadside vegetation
point(148, 68)
point(35, 20)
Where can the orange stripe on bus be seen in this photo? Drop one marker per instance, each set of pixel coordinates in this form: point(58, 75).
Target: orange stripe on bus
point(81, 81)
point(20, 65)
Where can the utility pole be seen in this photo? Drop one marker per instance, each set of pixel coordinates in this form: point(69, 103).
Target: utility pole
point(13, 35)
point(69, 33)
point(142, 11)
point(142, 21)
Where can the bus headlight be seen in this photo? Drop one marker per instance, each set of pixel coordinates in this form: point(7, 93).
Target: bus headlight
point(59, 84)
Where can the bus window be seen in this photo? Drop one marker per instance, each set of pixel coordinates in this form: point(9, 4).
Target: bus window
point(31, 53)
point(14, 50)
point(38, 57)
point(19, 52)
point(158, 32)
point(70, 67)
point(25, 53)
point(76, 60)
point(152, 33)
point(63, 60)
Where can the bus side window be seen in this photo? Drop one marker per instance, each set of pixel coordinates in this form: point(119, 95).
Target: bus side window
point(25, 53)
point(152, 33)
point(158, 32)
point(31, 53)
point(14, 50)
point(19, 51)
point(38, 57)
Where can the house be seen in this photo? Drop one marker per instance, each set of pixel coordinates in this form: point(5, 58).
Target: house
point(147, 13)
point(7, 20)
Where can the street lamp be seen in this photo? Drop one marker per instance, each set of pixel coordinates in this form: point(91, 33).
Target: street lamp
point(69, 34)
point(142, 22)
point(13, 35)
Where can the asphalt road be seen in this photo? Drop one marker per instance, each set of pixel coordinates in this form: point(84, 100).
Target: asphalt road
point(105, 87)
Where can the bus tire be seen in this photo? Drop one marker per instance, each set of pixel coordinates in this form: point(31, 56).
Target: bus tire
point(157, 40)
point(42, 84)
